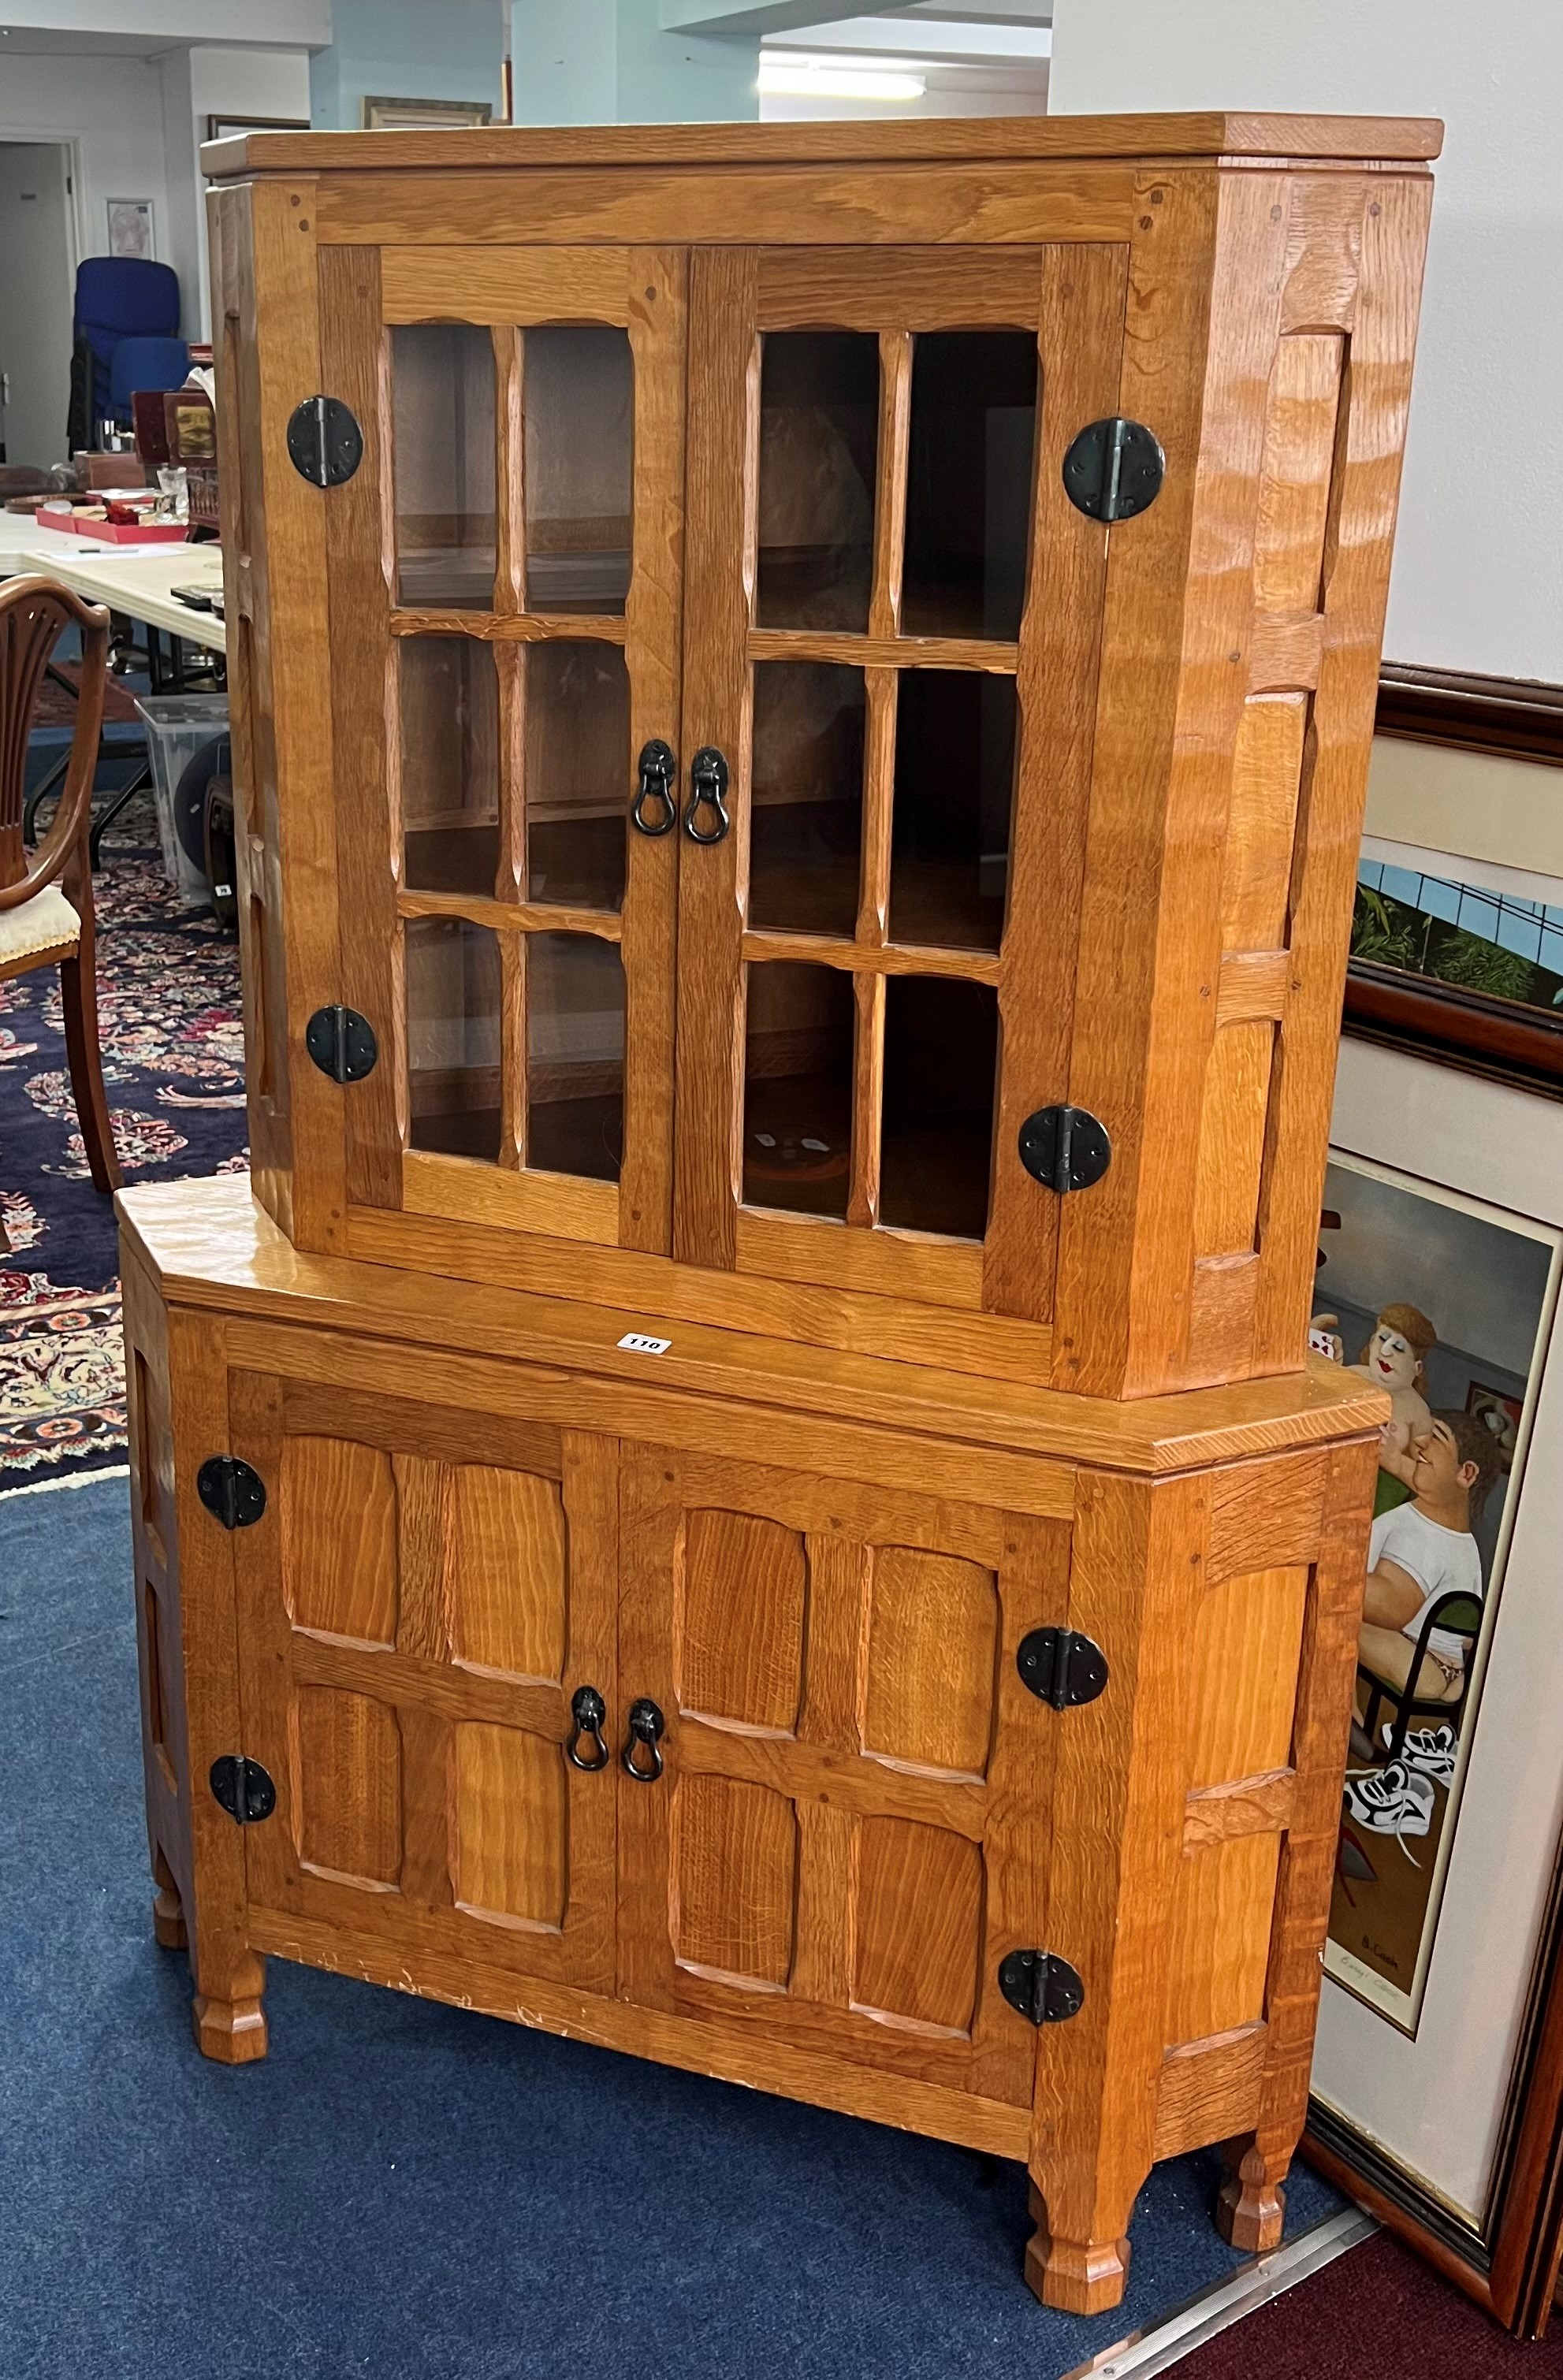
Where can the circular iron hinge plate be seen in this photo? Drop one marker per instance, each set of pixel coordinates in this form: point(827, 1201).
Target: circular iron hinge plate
point(1061, 1667)
point(324, 443)
point(342, 1043)
point(1044, 1987)
point(1114, 469)
point(231, 1491)
point(1068, 1149)
point(242, 1788)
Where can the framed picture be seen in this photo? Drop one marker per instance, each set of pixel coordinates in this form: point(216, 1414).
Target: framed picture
point(231, 128)
point(1439, 2069)
point(129, 228)
point(425, 115)
point(1462, 961)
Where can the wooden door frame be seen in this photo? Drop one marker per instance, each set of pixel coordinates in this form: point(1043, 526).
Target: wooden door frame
point(1073, 293)
point(366, 292)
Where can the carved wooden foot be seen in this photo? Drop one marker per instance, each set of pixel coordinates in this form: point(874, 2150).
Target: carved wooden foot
point(1252, 2210)
point(1075, 2276)
point(167, 1909)
point(169, 1919)
point(233, 2030)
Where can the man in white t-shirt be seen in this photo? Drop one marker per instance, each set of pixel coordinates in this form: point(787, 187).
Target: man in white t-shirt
point(1424, 1549)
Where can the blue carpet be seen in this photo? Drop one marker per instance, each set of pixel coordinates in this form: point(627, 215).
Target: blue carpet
point(405, 2190)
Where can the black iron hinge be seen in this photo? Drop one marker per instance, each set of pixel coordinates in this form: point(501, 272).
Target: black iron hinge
point(1044, 1988)
point(324, 443)
point(231, 1491)
point(1114, 468)
point(1067, 1147)
point(242, 1788)
point(342, 1043)
point(1062, 1667)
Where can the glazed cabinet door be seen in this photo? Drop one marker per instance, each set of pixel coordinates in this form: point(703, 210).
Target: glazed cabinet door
point(892, 623)
point(505, 624)
point(847, 1830)
point(420, 1603)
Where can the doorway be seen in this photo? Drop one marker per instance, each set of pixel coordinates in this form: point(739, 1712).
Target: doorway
point(37, 264)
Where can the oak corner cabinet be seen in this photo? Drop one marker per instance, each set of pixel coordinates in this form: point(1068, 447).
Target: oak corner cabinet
point(801, 703)
point(748, 1487)
point(957, 1755)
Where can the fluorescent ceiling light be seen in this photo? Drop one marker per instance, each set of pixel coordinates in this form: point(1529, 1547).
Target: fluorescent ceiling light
point(795, 76)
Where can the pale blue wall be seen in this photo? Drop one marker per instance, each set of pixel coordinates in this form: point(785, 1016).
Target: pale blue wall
point(409, 49)
point(609, 62)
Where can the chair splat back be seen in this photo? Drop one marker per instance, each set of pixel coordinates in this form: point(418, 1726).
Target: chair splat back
point(34, 614)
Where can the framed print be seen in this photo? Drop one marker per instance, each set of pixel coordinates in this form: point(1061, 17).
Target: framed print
point(1444, 1301)
point(425, 115)
point(230, 128)
point(1438, 2069)
point(129, 228)
point(1462, 959)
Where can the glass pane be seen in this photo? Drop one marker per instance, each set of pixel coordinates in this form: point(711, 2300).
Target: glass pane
point(579, 403)
point(941, 1053)
point(806, 815)
point(969, 483)
point(577, 773)
point(450, 763)
point(819, 435)
point(575, 1055)
point(797, 1088)
point(453, 1037)
point(442, 378)
point(955, 783)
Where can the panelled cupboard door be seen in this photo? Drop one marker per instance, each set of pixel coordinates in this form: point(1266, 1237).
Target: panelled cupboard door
point(892, 623)
point(419, 1604)
point(505, 621)
point(848, 1831)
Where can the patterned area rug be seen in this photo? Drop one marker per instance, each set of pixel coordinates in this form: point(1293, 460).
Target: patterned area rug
point(168, 1009)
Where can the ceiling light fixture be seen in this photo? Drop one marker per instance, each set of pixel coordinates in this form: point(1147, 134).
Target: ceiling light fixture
point(795, 76)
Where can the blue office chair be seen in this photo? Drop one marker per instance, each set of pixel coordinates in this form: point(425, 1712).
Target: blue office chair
point(144, 363)
point(117, 297)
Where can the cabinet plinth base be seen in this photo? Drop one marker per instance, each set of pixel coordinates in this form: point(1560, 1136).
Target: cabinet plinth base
point(1074, 2275)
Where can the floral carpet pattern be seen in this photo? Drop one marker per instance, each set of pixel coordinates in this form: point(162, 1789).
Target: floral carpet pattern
point(169, 1020)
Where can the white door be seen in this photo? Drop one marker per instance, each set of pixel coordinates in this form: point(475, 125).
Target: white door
point(35, 301)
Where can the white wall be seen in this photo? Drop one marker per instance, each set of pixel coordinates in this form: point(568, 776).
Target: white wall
point(1478, 580)
point(201, 81)
point(113, 108)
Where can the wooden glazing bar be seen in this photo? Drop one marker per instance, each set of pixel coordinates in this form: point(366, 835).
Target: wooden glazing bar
point(1284, 650)
point(819, 950)
point(510, 370)
point(510, 867)
point(521, 627)
point(890, 491)
point(868, 1099)
point(512, 1050)
point(879, 779)
point(512, 917)
point(878, 650)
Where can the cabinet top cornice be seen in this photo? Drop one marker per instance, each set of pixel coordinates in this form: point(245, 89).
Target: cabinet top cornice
point(1045, 140)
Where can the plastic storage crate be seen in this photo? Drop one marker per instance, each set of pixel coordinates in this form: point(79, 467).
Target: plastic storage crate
point(177, 725)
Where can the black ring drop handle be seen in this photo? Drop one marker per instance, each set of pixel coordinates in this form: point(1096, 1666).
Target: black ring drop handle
point(657, 767)
point(708, 785)
point(646, 1723)
point(588, 1710)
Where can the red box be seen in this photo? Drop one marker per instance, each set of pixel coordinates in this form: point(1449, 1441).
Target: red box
point(107, 532)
